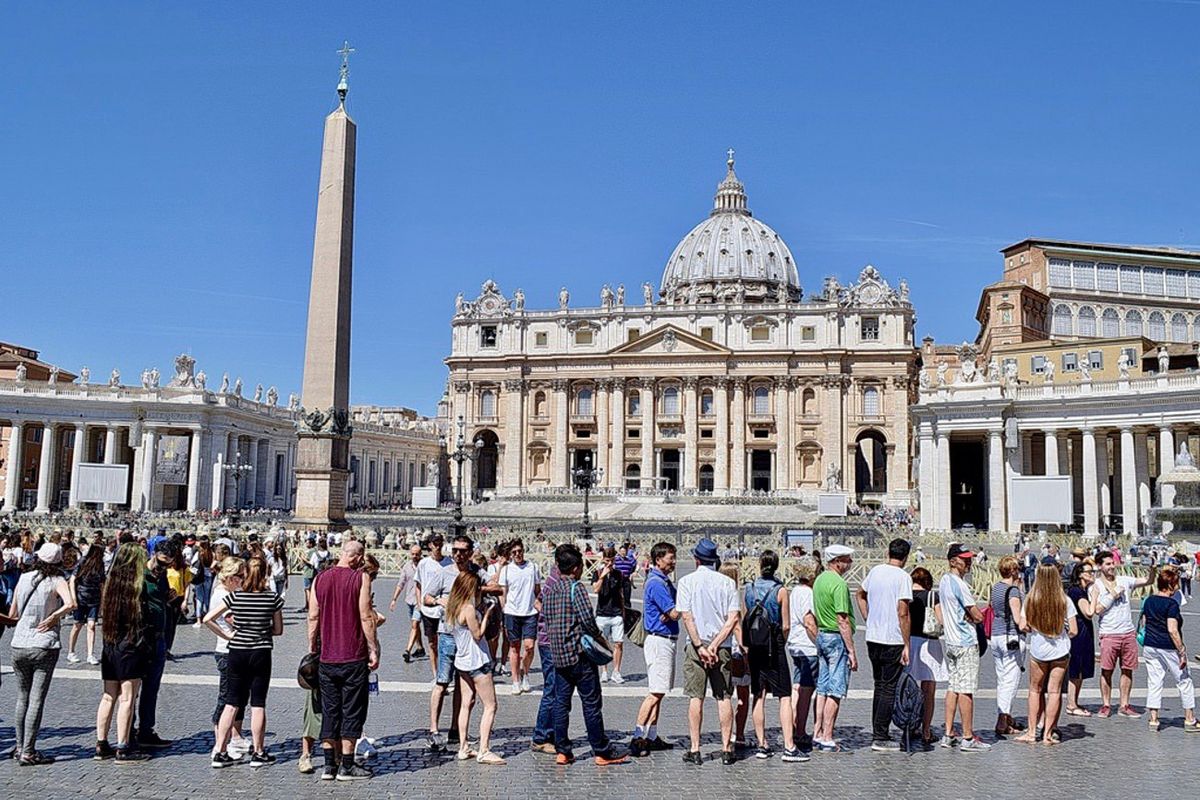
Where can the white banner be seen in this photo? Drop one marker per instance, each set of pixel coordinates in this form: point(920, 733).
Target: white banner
point(103, 483)
point(172, 463)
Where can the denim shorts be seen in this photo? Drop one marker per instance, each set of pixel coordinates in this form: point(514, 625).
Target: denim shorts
point(519, 628)
point(414, 613)
point(486, 669)
point(805, 670)
point(834, 678)
point(447, 650)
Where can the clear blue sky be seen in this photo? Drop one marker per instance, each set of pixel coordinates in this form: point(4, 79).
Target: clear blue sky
point(160, 159)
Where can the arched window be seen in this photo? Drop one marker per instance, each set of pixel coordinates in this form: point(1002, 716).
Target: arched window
point(870, 402)
point(706, 477)
point(762, 400)
point(539, 404)
point(633, 476)
point(1087, 321)
point(1110, 324)
point(1063, 321)
point(1156, 326)
point(584, 406)
point(706, 402)
point(670, 400)
point(808, 402)
point(1179, 328)
point(1133, 323)
point(633, 405)
point(487, 403)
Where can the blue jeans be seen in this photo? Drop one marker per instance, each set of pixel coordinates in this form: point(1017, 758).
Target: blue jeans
point(834, 679)
point(202, 595)
point(584, 676)
point(148, 702)
point(543, 729)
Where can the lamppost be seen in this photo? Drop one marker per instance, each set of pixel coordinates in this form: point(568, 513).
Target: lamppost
point(585, 478)
point(460, 455)
point(238, 470)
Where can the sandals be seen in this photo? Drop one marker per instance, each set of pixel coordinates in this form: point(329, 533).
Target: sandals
point(1078, 711)
point(490, 758)
point(1153, 725)
point(466, 754)
point(1191, 727)
point(32, 758)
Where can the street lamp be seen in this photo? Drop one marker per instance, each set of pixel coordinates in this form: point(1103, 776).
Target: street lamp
point(585, 478)
point(238, 470)
point(460, 455)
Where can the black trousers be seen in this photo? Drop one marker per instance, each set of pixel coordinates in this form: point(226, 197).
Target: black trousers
point(886, 670)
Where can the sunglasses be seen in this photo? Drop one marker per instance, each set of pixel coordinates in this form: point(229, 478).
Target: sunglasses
point(460, 550)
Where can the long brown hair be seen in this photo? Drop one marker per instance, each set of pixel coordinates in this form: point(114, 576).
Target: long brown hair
point(1046, 606)
point(121, 603)
point(92, 562)
point(256, 575)
point(468, 588)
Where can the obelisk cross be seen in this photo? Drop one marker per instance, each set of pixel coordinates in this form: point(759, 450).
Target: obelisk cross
point(344, 72)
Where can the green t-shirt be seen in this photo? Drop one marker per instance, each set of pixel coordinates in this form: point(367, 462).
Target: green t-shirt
point(831, 596)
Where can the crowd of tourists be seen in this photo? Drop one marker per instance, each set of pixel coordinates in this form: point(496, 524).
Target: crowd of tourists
point(787, 638)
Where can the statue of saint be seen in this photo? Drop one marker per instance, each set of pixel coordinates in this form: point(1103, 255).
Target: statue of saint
point(258, 391)
point(1048, 371)
point(993, 371)
point(224, 384)
point(114, 378)
point(85, 375)
point(519, 299)
point(648, 294)
point(1123, 365)
point(620, 294)
point(1184, 459)
point(201, 379)
point(564, 298)
point(942, 369)
point(459, 304)
point(1164, 360)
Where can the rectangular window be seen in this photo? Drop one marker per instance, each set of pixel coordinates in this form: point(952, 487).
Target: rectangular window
point(1106, 277)
point(706, 334)
point(487, 336)
point(1131, 279)
point(1096, 359)
point(870, 402)
point(539, 339)
point(1152, 281)
point(1131, 356)
point(1037, 365)
point(633, 334)
point(671, 401)
point(371, 477)
point(762, 433)
point(583, 433)
point(280, 477)
point(1070, 362)
point(760, 333)
point(635, 403)
point(1060, 273)
point(583, 336)
point(354, 473)
point(706, 433)
point(808, 333)
point(706, 404)
point(1176, 283)
point(1083, 274)
point(1193, 282)
point(633, 433)
point(870, 329)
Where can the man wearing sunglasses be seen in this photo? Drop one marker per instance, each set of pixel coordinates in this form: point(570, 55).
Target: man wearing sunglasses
point(436, 594)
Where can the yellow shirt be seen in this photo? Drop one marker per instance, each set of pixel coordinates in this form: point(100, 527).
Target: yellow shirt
point(179, 580)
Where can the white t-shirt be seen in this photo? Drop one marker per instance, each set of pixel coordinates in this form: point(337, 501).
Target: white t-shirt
point(1118, 618)
point(886, 585)
point(710, 597)
point(955, 597)
point(1050, 648)
point(800, 603)
point(520, 580)
point(219, 593)
point(429, 577)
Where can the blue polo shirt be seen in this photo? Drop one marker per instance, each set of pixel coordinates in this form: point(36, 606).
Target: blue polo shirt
point(659, 599)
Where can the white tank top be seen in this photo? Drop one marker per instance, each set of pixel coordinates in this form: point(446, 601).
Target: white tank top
point(469, 653)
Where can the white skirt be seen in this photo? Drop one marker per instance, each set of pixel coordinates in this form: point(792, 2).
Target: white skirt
point(925, 659)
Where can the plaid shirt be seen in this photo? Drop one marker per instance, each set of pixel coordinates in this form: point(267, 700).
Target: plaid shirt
point(568, 614)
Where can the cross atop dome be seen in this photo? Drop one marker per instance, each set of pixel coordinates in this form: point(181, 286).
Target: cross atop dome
point(731, 195)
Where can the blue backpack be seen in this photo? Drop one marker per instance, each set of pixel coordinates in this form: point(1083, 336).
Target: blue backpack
point(908, 709)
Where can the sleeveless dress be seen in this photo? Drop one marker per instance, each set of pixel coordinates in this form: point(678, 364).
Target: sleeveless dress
point(470, 655)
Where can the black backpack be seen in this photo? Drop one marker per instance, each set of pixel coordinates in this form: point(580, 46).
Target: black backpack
point(757, 629)
point(908, 709)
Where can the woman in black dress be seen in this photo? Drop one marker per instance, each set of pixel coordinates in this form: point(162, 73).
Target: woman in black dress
point(125, 655)
point(1083, 647)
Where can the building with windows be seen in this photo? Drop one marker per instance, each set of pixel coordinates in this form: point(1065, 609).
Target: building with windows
point(729, 382)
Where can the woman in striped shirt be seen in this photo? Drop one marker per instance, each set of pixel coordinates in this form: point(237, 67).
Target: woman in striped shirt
point(257, 617)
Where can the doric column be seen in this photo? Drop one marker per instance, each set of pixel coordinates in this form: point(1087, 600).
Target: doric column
point(1052, 452)
point(1166, 463)
point(220, 458)
point(737, 451)
point(80, 442)
point(1091, 499)
point(783, 431)
point(12, 470)
point(721, 436)
point(558, 455)
point(997, 494)
point(149, 456)
point(46, 469)
point(1103, 488)
point(691, 437)
point(514, 434)
point(943, 480)
point(1129, 483)
point(646, 387)
point(927, 488)
point(110, 444)
point(1141, 461)
point(615, 477)
point(251, 481)
point(194, 472)
point(602, 432)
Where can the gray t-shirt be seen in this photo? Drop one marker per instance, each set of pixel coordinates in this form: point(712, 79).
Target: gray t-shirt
point(35, 604)
point(1003, 622)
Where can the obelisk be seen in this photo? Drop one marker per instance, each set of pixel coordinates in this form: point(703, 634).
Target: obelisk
point(323, 459)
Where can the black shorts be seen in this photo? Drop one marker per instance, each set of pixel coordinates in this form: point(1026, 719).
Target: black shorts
point(430, 626)
point(344, 699)
point(249, 677)
point(223, 696)
point(770, 671)
point(124, 661)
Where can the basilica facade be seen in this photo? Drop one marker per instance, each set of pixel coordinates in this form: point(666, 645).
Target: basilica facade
point(727, 380)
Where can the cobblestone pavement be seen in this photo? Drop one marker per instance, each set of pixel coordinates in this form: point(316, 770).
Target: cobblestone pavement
point(1117, 750)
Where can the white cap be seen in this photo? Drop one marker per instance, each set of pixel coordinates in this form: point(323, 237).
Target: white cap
point(50, 553)
point(837, 551)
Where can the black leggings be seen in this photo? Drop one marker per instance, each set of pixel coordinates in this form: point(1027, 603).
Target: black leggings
point(249, 674)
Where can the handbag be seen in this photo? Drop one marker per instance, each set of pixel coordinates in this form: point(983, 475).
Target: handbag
point(306, 673)
point(593, 649)
point(931, 628)
point(635, 631)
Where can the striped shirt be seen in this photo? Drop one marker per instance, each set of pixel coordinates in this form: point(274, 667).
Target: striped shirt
point(253, 617)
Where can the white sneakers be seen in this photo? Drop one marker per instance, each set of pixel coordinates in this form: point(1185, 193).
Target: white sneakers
point(525, 684)
point(93, 660)
point(72, 658)
point(616, 677)
point(603, 676)
point(516, 688)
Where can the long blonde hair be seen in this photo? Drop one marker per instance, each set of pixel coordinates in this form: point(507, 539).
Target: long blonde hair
point(1046, 607)
point(467, 589)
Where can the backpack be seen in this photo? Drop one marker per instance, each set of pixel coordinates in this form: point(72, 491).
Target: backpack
point(757, 628)
point(908, 709)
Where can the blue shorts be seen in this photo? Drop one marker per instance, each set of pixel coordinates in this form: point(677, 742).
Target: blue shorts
point(446, 650)
point(519, 628)
point(486, 669)
point(805, 670)
point(84, 612)
point(414, 614)
point(834, 679)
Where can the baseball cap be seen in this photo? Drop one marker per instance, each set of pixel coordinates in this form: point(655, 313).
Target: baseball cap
point(837, 551)
point(959, 550)
point(50, 553)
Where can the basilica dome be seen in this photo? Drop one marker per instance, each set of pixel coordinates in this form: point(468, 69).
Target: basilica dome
point(730, 256)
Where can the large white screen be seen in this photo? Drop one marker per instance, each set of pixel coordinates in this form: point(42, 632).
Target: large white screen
point(1040, 500)
point(103, 483)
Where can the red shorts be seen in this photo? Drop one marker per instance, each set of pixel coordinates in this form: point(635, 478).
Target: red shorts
point(1120, 646)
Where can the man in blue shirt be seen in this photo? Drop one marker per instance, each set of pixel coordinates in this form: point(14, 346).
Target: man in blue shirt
point(661, 620)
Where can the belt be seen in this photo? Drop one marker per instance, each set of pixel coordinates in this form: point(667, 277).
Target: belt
point(668, 637)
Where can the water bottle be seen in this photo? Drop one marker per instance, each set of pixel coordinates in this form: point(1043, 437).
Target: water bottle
point(373, 684)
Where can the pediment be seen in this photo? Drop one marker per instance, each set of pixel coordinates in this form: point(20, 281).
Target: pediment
point(669, 340)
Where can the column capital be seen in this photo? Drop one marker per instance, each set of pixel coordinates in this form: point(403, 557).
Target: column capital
point(604, 384)
point(559, 384)
point(690, 382)
point(514, 384)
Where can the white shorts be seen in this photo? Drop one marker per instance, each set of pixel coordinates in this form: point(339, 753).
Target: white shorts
point(612, 628)
point(660, 664)
point(926, 662)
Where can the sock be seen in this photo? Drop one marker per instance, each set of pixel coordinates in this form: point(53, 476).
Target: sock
point(330, 758)
point(639, 732)
point(652, 732)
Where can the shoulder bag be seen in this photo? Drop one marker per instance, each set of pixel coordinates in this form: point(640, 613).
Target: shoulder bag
point(931, 628)
point(591, 648)
point(631, 621)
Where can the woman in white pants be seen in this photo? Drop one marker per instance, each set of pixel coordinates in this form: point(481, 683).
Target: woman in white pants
point(1006, 643)
point(1164, 650)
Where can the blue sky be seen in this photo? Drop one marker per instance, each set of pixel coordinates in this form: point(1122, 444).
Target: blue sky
point(160, 160)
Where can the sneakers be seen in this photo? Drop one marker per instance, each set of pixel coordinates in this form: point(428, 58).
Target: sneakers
point(407, 658)
point(525, 684)
point(885, 746)
point(1129, 711)
point(1104, 711)
point(616, 677)
point(543, 747)
point(91, 659)
point(72, 658)
point(793, 756)
point(603, 676)
point(639, 747)
point(218, 761)
point(826, 747)
point(261, 759)
point(763, 752)
point(728, 759)
point(129, 755)
point(516, 688)
point(153, 741)
point(610, 758)
point(563, 759)
point(693, 757)
point(329, 772)
point(104, 751)
point(304, 764)
point(975, 745)
point(949, 742)
point(657, 745)
point(352, 772)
